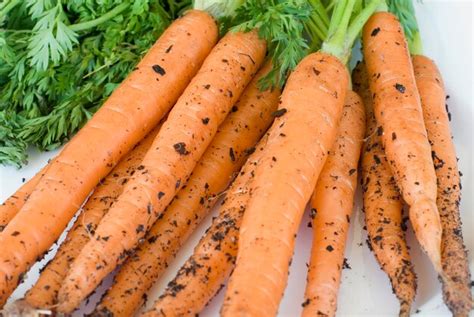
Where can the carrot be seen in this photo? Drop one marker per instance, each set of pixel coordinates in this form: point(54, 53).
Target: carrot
point(134, 108)
point(398, 110)
point(190, 127)
point(457, 294)
point(44, 293)
point(205, 271)
point(10, 207)
point(311, 106)
point(383, 206)
point(331, 206)
point(249, 119)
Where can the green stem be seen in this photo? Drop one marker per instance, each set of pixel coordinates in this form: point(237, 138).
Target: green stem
point(317, 35)
point(337, 16)
point(359, 22)
point(218, 8)
point(322, 31)
point(104, 18)
point(335, 43)
point(416, 45)
point(321, 12)
point(13, 3)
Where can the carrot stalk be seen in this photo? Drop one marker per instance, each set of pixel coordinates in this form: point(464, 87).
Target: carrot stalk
point(457, 292)
point(44, 293)
point(331, 206)
point(134, 108)
point(204, 273)
point(398, 112)
point(12, 205)
point(383, 205)
point(189, 129)
point(249, 119)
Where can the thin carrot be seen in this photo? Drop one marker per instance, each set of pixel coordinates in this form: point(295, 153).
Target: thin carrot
point(44, 293)
point(383, 205)
point(249, 119)
point(204, 273)
point(457, 294)
point(134, 108)
point(10, 207)
point(331, 207)
point(398, 110)
point(300, 138)
point(190, 127)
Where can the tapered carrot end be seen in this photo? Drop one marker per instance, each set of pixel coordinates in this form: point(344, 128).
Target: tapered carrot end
point(457, 297)
point(404, 309)
point(426, 223)
point(69, 298)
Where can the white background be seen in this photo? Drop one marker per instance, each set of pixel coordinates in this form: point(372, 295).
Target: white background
point(446, 28)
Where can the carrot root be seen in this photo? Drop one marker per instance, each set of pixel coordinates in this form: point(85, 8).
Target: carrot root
point(332, 202)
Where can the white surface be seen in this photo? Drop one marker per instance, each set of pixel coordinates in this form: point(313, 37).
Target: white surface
point(446, 28)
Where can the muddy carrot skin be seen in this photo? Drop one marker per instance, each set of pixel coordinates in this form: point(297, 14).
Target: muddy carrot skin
point(457, 294)
point(383, 205)
point(44, 293)
point(331, 206)
point(397, 108)
point(189, 129)
point(132, 111)
point(249, 119)
point(301, 136)
point(10, 207)
point(204, 273)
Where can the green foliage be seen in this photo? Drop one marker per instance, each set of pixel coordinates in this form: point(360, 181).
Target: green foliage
point(405, 12)
point(60, 59)
point(281, 24)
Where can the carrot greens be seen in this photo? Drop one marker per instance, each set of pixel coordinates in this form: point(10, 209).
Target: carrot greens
point(59, 60)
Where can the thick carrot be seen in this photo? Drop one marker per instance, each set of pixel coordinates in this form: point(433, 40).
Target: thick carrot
point(383, 205)
point(10, 207)
point(204, 273)
point(300, 138)
point(332, 204)
point(398, 111)
point(249, 119)
point(134, 108)
point(190, 127)
point(457, 293)
point(44, 293)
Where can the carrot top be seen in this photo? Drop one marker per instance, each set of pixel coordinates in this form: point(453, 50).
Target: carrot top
point(347, 20)
point(405, 12)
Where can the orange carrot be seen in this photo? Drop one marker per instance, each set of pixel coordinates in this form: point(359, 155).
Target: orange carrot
point(249, 119)
point(300, 138)
point(383, 206)
point(10, 207)
point(44, 293)
point(204, 273)
point(331, 207)
point(134, 108)
point(398, 111)
point(457, 293)
point(190, 127)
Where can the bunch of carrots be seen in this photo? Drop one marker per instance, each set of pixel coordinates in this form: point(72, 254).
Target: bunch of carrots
point(265, 119)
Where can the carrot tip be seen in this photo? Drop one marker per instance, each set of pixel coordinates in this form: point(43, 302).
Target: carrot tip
point(22, 308)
